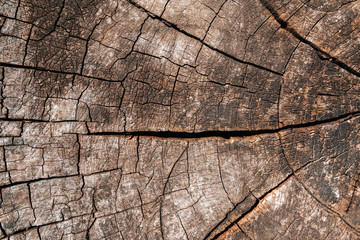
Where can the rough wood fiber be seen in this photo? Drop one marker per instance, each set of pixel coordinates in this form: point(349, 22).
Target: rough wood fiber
point(179, 119)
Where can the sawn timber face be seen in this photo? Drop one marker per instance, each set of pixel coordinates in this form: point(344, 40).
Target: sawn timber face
point(179, 119)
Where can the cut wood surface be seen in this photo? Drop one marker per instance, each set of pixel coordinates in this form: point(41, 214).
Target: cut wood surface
point(179, 119)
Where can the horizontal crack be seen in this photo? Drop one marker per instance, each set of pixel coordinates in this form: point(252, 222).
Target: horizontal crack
point(36, 120)
point(10, 65)
point(224, 134)
point(195, 135)
point(36, 180)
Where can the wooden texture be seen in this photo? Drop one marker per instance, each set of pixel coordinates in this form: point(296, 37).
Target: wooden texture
point(179, 119)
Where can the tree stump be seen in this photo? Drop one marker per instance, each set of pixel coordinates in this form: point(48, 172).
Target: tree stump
point(179, 119)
